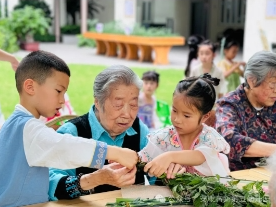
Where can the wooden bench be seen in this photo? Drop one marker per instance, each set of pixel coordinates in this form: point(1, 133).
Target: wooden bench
point(127, 46)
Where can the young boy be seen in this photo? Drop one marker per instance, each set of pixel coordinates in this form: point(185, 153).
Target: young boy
point(28, 147)
point(147, 101)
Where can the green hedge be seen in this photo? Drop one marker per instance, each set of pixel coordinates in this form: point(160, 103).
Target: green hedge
point(8, 40)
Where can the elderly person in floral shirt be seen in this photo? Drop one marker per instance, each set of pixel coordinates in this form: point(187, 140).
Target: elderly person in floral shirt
point(246, 117)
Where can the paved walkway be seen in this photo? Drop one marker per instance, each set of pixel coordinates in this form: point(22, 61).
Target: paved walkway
point(72, 54)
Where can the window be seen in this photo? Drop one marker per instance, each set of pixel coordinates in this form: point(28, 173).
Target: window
point(232, 12)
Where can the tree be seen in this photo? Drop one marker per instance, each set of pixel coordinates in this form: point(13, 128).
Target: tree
point(73, 7)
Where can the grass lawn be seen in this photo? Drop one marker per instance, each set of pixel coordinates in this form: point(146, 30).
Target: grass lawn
point(80, 87)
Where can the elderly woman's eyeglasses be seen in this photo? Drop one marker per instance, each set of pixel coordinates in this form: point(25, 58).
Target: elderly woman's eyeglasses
point(271, 85)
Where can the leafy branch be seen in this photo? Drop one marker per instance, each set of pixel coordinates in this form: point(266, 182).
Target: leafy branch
point(204, 191)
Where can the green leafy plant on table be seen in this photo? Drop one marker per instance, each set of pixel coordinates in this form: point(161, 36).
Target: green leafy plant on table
point(204, 191)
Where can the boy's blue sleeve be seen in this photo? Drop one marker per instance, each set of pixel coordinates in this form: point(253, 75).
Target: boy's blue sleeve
point(56, 174)
point(144, 130)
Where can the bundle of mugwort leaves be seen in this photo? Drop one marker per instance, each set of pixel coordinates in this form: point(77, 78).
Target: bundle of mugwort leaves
point(204, 191)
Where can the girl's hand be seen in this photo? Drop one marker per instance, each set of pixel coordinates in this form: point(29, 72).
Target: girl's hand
point(175, 169)
point(159, 165)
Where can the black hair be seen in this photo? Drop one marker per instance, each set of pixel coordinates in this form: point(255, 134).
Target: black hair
point(193, 43)
point(200, 91)
point(151, 76)
point(38, 66)
point(212, 45)
point(230, 43)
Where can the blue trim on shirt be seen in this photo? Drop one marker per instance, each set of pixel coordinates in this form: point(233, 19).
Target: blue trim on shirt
point(100, 151)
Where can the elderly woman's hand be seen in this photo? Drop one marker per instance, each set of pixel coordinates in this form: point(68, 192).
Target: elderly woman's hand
point(111, 174)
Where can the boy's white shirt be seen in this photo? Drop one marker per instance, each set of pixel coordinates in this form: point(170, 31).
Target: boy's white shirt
point(45, 147)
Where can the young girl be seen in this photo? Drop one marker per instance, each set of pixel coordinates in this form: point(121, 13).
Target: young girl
point(189, 142)
point(206, 54)
point(231, 69)
point(193, 61)
point(147, 100)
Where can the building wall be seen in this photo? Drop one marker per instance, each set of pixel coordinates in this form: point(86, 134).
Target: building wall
point(107, 14)
point(215, 26)
point(182, 18)
point(256, 20)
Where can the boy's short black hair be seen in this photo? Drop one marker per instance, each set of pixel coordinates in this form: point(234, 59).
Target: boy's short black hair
point(38, 66)
point(151, 76)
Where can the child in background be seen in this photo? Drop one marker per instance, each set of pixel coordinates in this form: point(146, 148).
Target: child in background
point(230, 68)
point(193, 61)
point(28, 147)
point(147, 100)
point(189, 142)
point(206, 54)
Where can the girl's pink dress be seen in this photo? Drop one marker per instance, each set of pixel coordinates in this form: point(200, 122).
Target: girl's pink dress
point(209, 142)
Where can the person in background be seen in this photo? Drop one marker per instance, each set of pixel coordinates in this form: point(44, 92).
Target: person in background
point(7, 57)
point(246, 117)
point(188, 142)
point(206, 54)
point(231, 69)
point(147, 100)
point(193, 61)
point(28, 147)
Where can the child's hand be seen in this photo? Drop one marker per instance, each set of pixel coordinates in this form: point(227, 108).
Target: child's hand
point(175, 169)
point(14, 63)
point(124, 156)
point(242, 63)
point(159, 164)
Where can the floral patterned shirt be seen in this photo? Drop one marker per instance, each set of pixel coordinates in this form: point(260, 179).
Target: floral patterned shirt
point(209, 142)
point(241, 124)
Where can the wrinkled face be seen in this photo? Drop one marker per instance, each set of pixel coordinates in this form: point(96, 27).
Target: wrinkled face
point(149, 87)
point(231, 53)
point(205, 54)
point(265, 94)
point(120, 109)
point(185, 118)
point(49, 96)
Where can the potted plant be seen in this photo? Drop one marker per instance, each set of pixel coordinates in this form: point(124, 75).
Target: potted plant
point(25, 23)
point(69, 34)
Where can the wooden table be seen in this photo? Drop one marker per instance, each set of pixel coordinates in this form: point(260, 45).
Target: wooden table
point(252, 174)
point(95, 200)
point(100, 199)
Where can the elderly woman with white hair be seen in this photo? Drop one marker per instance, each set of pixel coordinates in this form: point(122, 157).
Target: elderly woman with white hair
point(111, 119)
point(246, 117)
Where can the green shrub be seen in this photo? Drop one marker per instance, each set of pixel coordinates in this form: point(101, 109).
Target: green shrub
point(27, 22)
point(38, 4)
point(85, 42)
point(8, 40)
point(70, 29)
point(45, 38)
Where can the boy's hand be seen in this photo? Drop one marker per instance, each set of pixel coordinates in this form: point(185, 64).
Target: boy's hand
point(124, 156)
point(159, 165)
point(175, 169)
